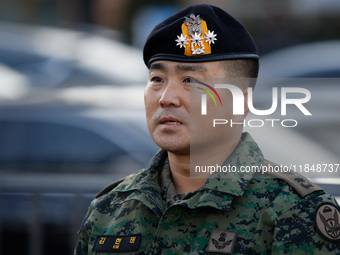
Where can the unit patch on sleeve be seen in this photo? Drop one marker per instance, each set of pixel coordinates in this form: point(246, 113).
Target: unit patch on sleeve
point(327, 221)
point(117, 243)
point(222, 241)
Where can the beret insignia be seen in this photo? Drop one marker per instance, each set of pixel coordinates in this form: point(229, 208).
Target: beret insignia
point(195, 38)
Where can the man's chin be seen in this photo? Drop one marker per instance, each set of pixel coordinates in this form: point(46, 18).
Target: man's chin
point(176, 149)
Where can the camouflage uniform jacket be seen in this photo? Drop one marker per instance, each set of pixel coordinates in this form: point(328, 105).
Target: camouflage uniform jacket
point(245, 213)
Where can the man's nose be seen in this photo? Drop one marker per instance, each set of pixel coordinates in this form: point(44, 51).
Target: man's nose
point(171, 96)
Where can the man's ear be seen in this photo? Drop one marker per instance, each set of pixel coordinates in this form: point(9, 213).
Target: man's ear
point(246, 108)
point(245, 95)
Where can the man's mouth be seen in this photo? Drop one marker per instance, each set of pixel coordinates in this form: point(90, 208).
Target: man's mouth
point(172, 122)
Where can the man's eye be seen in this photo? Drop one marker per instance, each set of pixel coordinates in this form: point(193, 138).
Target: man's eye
point(156, 79)
point(188, 80)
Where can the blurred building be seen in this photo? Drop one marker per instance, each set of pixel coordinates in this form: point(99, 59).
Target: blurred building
point(274, 24)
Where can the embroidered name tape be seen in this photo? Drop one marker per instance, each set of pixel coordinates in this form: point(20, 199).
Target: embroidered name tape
point(117, 243)
point(222, 241)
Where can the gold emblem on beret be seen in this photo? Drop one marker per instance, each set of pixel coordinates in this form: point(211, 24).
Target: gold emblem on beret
point(195, 38)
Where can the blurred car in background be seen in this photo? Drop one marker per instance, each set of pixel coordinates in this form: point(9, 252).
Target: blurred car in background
point(313, 66)
point(316, 139)
point(58, 132)
point(311, 60)
point(34, 57)
point(58, 149)
point(71, 122)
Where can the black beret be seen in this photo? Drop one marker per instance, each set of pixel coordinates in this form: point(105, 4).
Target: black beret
point(199, 33)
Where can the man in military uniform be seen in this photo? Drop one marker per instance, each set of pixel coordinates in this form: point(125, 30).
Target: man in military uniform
point(162, 209)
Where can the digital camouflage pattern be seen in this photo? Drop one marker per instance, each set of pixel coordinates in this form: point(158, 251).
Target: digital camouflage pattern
point(256, 214)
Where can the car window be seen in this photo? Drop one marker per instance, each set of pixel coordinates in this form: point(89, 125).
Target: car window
point(35, 145)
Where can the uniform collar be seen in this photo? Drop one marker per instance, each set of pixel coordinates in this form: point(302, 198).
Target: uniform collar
point(247, 153)
point(145, 185)
point(148, 178)
point(168, 190)
point(220, 189)
point(213, 192)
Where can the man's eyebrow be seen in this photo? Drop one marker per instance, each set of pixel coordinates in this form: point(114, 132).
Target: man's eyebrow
point(191, 67)
point(157, 66)
point(182, 67)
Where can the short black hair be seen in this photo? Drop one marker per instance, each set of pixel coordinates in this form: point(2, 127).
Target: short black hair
point(242, 68)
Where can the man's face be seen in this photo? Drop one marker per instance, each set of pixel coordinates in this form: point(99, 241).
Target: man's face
point(167, 96)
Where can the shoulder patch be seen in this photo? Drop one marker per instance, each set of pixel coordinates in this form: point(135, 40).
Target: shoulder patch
point(109, 187)
point(327, 221)
point(298, 182)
